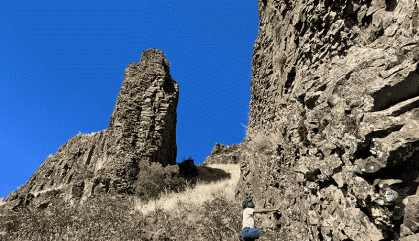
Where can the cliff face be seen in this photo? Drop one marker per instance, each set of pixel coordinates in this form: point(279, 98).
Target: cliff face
point(142, 128)
point(333, 135)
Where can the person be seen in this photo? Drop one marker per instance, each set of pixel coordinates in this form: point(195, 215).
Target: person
point(249, 232)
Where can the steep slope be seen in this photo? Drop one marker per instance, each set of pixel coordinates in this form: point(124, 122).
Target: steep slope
point(335, 86)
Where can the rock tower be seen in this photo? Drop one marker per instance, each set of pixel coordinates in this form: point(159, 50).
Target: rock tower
point(142, 127)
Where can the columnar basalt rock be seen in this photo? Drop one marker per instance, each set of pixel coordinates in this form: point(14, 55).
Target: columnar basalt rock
point(346, 108)
point(142, 127)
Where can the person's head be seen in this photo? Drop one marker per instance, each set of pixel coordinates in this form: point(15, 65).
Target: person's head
point(248, 203)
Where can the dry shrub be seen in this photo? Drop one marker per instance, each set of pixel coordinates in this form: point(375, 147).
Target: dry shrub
point(221, 219)
point(153, 179)
point(265, 144)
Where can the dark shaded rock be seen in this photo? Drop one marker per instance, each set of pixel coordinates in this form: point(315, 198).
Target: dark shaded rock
point(333, 131)
point(187, 168)
point(142, 127)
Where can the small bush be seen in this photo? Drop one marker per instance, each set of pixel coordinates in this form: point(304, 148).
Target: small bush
point(221, 219)
point(153, 179)
point(105, 207)
point(265, 144)
point(187, 168)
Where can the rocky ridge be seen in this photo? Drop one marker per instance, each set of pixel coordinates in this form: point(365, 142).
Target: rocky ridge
point(224, 154)
point(335, 91)
point(142, 128)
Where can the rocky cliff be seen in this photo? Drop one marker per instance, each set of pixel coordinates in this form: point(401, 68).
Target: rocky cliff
point(224, 154)
point(142, 128)
point(333, 127)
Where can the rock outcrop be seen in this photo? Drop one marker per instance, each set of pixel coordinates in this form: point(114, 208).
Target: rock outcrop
point(142, 128)
point(224, 154)
point(337, 84)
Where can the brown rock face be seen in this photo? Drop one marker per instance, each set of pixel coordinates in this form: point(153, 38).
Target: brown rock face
point(142, 127)
point(338, 83)
point(223, 154)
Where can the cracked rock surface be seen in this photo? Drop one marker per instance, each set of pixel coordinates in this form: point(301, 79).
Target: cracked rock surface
point(224, 154)
point(142, 128)
point(337, 85)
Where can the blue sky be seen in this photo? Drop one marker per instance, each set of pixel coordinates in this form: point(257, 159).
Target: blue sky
point(62, 66)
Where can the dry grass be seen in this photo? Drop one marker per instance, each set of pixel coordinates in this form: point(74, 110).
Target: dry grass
point(195, 197)
point(204, 191)
point(188, 204)
point(206, 212)
point(91, 134)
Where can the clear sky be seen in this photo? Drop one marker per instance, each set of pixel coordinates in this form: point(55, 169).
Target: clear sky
point(62, 64)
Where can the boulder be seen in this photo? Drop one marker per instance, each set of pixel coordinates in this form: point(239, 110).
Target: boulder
point(344, 107)
point(142, 127)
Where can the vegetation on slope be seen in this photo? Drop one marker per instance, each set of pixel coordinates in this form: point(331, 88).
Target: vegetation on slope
point(204, 211)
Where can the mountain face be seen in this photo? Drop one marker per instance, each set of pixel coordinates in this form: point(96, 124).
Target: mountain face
point(333, 121)
point(224, 154)
point(142, 128)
